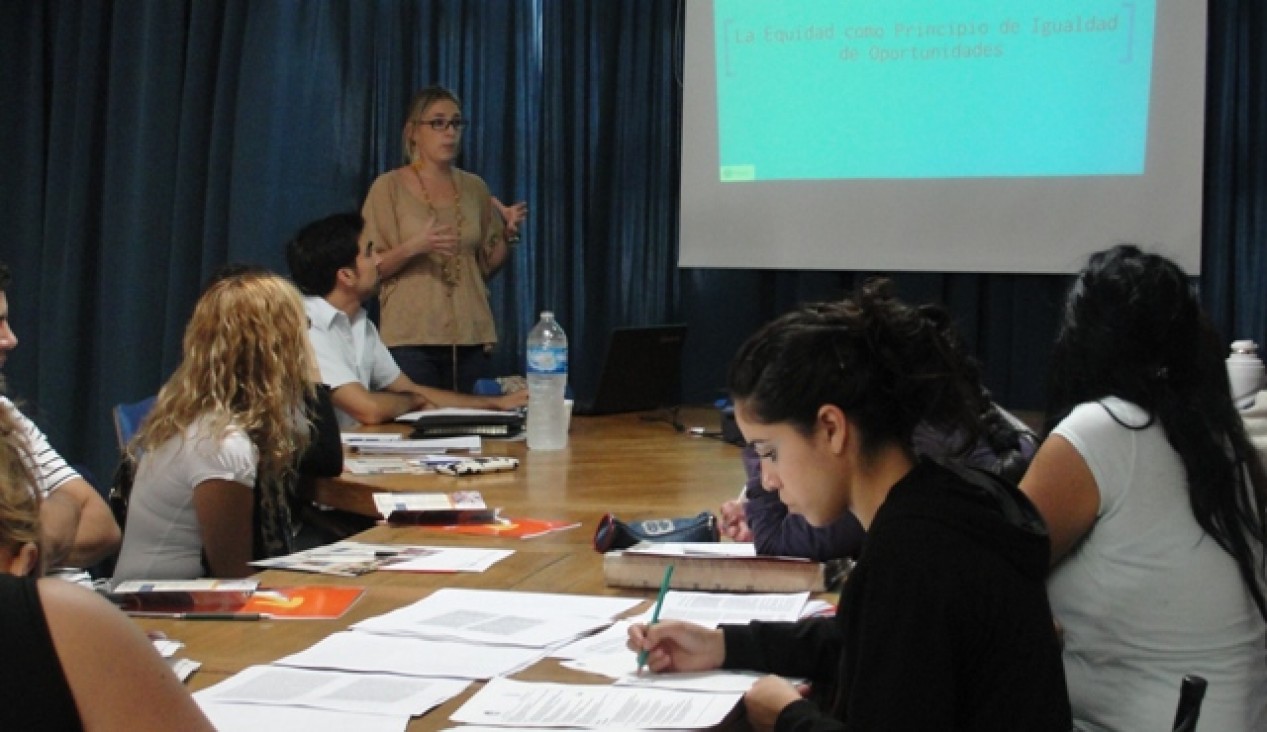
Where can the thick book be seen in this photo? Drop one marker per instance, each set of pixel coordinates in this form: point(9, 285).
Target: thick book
point(637, 567)
point(179, 596)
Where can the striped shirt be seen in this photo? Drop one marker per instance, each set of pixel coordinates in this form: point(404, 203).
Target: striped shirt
point(50, 470)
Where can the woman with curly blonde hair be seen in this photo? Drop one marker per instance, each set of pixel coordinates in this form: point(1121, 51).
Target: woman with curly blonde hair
point(55, 635)
point(216, 456)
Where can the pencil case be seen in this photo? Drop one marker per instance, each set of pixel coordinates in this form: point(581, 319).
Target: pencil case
point(613, 533)
point(478, 466)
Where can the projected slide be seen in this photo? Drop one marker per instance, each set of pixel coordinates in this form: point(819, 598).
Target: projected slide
point(910, 89)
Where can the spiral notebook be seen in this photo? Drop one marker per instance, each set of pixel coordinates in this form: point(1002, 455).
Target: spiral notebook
point(450, 422)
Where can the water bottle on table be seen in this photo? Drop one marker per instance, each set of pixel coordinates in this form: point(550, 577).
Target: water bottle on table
point(547, 384)
point(1245, 373)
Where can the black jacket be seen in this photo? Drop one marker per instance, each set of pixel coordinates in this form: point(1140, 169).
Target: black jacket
point(943, 624)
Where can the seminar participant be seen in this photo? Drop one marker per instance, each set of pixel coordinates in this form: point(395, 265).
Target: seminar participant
point(335, 264)
point(1005, 449)
point(219, 448)
point(78, 527)
point(944, 622)
point(71, 660)
point(1157, 504)
point(442, 239)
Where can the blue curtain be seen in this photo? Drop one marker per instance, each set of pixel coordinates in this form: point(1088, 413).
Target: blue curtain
point(147, 142)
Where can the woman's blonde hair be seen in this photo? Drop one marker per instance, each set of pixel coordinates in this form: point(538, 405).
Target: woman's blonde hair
point(246, 364)
point(19, 495)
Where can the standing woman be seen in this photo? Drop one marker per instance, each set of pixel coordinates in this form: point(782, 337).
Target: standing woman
point(218, 453)
point(943, 623)
point(1156, 502)
point(441, 237)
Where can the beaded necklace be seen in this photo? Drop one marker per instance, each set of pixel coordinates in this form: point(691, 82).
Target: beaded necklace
point(451, 265)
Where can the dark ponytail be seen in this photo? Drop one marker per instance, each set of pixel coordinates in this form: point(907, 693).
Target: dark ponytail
point(887, 365)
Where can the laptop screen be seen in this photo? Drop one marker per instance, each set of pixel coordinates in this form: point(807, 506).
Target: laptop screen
point(641, 371)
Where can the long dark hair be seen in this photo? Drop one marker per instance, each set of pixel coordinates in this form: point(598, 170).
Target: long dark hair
point(1133, 329)
point(887, 365)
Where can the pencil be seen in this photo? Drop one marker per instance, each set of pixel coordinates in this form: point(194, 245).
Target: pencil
point(655, 613)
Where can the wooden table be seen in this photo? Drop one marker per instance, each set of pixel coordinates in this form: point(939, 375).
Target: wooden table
point(622, 464)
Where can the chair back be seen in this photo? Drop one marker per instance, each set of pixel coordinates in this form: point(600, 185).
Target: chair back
point(1191, 694)
point(127, 419)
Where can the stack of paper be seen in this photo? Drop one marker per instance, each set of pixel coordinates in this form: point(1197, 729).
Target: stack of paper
point(386, 669)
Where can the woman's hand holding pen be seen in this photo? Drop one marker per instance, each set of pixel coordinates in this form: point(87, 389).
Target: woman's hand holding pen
point(673, 645)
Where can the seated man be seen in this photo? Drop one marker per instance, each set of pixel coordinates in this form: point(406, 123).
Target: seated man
point(77, 528)
point(336, 268)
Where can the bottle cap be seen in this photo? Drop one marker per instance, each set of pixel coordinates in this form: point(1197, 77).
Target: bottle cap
point(1244, 347)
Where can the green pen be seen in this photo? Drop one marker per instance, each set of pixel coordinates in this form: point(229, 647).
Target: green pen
point(655, 614)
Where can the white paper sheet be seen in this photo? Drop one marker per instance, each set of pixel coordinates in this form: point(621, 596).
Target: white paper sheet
point(350, 692)
point(475, 625)
point(505, 702)
point(366, 652)
point(715, 608)
point(736, 682)
point(695, 549)
point(538, 604)
point(604, 643)
point(445, 559)
point(256, 717)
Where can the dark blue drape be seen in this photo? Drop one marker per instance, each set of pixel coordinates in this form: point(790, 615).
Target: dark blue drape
point(146, 142)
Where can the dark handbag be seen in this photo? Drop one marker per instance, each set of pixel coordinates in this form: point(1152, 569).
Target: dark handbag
point(613, 533)
point(121, 489)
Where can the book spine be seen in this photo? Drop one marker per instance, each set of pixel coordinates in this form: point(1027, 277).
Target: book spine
point(621, 569)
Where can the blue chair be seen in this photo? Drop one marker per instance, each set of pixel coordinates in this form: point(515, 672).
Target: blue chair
point(128, 417)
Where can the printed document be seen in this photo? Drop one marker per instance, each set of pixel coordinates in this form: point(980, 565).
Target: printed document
point(717, 608)
point(256, 717)
point(516, 703)
point(367, 693)
point(369, 653)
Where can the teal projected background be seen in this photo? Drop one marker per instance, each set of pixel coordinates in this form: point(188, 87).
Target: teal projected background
point(917, 89)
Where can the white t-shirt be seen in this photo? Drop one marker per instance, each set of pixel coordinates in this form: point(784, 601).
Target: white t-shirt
point(163, 539)
point(49, 469)
point(1148, 596)
point(348, 350)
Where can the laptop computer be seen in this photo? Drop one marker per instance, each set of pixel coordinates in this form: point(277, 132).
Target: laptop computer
point(641, 371)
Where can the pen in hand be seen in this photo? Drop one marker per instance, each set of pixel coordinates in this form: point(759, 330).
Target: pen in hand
point(655, 613)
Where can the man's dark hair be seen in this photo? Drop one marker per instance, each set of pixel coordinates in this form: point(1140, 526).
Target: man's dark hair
point(5, 277)
point(321, 249)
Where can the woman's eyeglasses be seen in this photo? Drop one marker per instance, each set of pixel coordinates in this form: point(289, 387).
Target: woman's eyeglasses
point(457, 124)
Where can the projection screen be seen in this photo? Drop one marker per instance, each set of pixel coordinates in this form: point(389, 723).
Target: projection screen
point(948, 135)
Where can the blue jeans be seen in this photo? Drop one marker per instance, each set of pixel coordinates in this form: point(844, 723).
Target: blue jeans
point(435, 365)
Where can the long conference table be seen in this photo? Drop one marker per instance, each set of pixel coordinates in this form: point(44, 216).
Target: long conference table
point(624, 464)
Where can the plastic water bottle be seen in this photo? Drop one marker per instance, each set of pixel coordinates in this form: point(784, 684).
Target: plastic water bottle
point(1245, 373)
point(547, 383)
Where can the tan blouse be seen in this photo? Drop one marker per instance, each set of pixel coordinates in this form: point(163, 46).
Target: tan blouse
point(434, 299)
